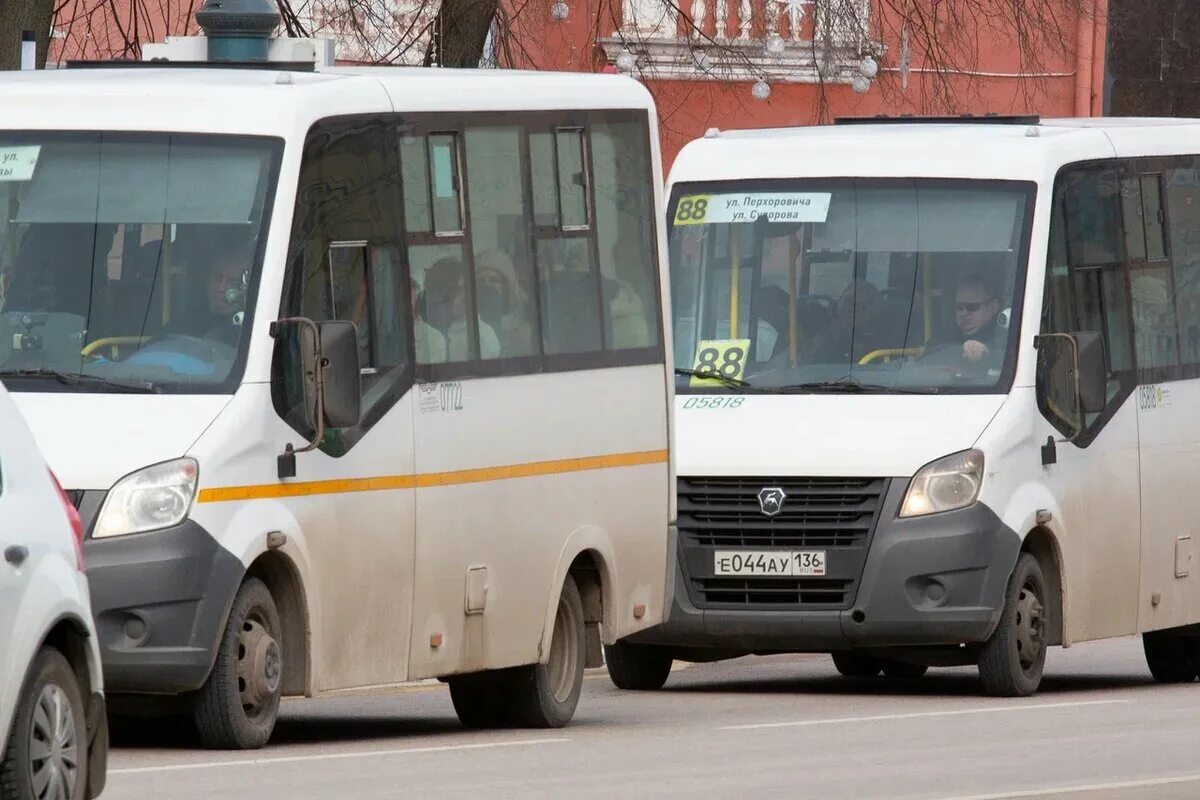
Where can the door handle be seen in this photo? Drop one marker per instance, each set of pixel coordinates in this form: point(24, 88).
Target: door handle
point(16, 555)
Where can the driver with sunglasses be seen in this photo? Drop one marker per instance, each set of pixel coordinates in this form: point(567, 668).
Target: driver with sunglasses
point(976, 307)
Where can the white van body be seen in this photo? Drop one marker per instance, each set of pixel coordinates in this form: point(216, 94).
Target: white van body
point(48, 647)
point(434, 535)
point(1028, 523)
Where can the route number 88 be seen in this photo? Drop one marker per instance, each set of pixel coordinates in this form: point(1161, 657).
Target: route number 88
point(723, 357)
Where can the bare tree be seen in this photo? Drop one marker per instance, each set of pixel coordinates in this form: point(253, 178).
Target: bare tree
point(725, 43)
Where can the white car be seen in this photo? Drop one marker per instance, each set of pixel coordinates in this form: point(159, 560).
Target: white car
point(53, 729)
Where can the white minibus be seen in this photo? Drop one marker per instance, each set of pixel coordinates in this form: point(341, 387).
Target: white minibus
point(938, 392)
point(356, 376)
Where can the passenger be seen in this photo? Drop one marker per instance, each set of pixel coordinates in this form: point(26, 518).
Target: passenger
point(504, 303)
point(446, 309)
point(856, 328)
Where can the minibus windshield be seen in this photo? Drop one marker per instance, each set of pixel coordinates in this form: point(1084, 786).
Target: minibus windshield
point(828, 285)
point(129, 261)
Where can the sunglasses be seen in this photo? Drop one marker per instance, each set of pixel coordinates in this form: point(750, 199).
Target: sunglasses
point(972, 307)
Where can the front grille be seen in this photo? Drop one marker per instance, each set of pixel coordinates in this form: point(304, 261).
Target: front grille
point(774, 591)
point(818, 512)
point(836, 515)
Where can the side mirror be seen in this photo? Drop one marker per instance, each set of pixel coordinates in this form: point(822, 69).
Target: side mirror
point(342, 390)
point(1072, 379)
point(315, 378)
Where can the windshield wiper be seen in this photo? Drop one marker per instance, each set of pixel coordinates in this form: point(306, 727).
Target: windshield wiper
point(732, 383)
point(847, 385)
point(68, 379)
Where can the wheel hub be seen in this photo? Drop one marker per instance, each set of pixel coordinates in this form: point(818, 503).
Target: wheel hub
point(53, 746)
point(260, 666)
point(1029, 624)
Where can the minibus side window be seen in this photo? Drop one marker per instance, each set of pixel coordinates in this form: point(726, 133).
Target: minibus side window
point(345, 259)
point(1086, 286)
point(1182, 185)
point(1155, 332)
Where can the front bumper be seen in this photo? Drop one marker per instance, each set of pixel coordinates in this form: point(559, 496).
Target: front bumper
point(928, 581)
point(160, 601)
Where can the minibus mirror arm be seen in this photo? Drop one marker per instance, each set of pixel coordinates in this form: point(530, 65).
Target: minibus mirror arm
point(312, 363)
point(1059, 388)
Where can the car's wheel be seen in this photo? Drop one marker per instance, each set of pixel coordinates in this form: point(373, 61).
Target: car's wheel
point(46, 757)
point(1171, 658)
point(637, 667)
point(903, 670)
point(856, 665)
point(1012, 660)
point(238, 705)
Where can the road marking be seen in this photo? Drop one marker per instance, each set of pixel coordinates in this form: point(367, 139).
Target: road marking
point(404, 751)
point(885, 717)
point(1086, 787)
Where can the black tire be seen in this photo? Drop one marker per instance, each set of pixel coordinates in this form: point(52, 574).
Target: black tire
point(903, 670)
point(226, 717)
point(637, 667)
point(545, 695)
point(50, 677)
point(1012, 660)
point(481, 700)
point(856, 665)
point(1171, 658)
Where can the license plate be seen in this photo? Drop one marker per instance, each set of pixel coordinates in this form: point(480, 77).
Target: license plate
point(769, 563)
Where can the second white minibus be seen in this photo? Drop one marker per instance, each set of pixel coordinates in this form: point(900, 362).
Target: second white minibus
point(938, 392)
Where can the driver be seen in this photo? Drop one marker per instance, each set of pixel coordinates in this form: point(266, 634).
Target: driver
point(976, 308)
point(225, 291)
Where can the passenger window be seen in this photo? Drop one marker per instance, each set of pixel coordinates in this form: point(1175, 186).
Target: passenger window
point(569, 296)
point(445, 186)
point(444, 332)
point(624, 210)
point(1154, 328)
point(1183, 209)
point(572, 178)
point(414, 164)
point(500, 242)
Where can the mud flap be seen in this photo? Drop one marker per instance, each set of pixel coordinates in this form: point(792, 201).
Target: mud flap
point(594, 657)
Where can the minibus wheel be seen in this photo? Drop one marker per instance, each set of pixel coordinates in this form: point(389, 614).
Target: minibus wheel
point(47, 754)
point(856, 665)
point(637, 667)
point(1171, 658)
point(903, 670)
point(237, 707)
point(1012, 660)
point(481, 699)
point(545, 695)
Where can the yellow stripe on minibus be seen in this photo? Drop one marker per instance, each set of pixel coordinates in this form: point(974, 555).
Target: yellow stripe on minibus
point(563, 466)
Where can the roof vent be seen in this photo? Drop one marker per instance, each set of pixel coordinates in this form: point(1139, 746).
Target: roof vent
point(238, 30)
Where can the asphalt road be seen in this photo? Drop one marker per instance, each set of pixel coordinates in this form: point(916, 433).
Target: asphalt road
point(1100, 729)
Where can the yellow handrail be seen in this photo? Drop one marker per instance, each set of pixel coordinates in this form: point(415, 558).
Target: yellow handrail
point(92, 347)
point(887, 354)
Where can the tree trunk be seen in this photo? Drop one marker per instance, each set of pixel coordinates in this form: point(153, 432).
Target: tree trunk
point(460, 32)
point(24, 15)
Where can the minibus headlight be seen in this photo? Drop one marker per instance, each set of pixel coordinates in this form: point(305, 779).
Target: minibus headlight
point(945, 485)
point(156, 497)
